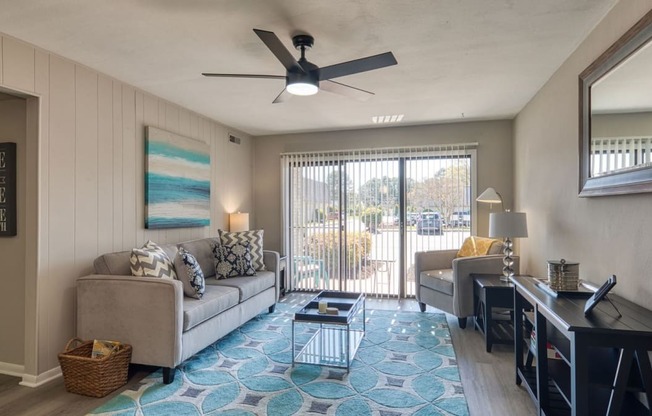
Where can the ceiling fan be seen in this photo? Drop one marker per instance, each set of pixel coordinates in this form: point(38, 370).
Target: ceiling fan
point(305, 78)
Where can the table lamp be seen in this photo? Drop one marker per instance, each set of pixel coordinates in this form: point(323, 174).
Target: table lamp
point(239, 221)
point(507, 225)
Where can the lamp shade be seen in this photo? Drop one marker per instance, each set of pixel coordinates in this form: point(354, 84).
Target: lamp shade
point(239, 221)
point(490, 196)
point(507, 224)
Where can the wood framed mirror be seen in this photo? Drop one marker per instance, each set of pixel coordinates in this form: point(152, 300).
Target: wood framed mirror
point(615, 100)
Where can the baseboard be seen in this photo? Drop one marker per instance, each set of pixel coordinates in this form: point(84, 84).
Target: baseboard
point(39, 380)
point(14, 370)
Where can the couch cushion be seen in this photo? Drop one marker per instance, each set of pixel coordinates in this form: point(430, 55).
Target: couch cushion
point(216, 299)
point(118, 263)
point(113, 264)
point(496, 248)
point(202, 251)
point(439, 280)
point(255, 239)
point(247, 285)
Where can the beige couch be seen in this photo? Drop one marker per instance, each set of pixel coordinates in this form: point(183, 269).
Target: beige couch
point(163, 326)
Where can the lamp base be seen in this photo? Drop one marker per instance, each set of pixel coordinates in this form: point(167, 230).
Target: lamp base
point(508, 262)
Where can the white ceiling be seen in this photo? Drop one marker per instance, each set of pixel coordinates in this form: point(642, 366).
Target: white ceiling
point(457, 59)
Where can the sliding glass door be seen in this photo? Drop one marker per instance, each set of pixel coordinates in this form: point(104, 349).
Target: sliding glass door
point(353, 220)
point(438, 206)
point(372, 228)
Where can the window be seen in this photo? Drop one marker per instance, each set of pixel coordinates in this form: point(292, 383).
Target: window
point(354, 219)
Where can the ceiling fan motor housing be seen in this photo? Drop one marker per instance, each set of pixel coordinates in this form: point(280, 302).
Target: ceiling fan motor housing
point(310, 76)
point(305, 41)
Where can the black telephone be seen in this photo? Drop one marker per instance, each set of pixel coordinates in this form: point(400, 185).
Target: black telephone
point(599, 294)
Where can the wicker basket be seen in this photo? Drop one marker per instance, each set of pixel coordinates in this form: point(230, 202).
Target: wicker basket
point(95, 377)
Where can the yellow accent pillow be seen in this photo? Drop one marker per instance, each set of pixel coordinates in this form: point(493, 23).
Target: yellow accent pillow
point(475, 246)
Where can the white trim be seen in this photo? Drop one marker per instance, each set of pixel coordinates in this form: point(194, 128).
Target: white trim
point(9, 369)
point(474, 191)
point(39, 380)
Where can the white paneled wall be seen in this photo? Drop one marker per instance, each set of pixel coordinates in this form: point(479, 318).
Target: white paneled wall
point(85, 185)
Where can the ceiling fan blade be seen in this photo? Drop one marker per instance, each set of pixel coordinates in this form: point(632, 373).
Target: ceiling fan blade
point(358, 65)
point(346, 90)
point(282, 54)
point(209, 74)
point(282, 97)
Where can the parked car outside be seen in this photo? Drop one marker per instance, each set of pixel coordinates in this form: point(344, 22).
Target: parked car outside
point(429, 223)
point(389, 221)
point(460, 219)
point(412, 218)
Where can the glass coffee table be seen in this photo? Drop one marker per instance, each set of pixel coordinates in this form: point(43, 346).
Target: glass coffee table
point(336, 337)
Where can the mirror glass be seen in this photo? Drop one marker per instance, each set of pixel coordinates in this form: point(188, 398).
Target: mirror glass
point(615, 129)
point(621, 116)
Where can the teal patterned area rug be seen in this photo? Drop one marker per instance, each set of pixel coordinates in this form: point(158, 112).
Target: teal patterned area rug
point(405, 366)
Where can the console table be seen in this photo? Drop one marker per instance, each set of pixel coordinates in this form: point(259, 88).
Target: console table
point(598, 363)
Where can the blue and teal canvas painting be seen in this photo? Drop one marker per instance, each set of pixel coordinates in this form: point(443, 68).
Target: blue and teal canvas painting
point(177, 181)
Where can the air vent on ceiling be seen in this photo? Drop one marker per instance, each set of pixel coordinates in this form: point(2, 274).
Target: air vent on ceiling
point(394, 118)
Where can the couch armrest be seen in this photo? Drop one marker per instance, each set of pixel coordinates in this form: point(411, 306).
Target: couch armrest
point(430, 260)
point(142, 311)
point(434, 260)
point(463, 267)
point(272, 260)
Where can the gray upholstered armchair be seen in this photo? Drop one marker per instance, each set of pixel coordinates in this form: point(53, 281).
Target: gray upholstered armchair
point(444, 281)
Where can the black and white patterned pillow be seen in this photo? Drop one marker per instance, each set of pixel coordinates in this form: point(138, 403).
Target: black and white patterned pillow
point(190, 274)
point(151, 261)
point(233, 260)
point(255, 240)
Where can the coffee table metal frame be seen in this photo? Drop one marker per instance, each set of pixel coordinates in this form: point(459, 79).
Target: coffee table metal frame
point(336, 341)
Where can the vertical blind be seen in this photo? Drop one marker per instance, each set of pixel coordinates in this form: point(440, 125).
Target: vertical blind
point(342, 213)
point(616, 153)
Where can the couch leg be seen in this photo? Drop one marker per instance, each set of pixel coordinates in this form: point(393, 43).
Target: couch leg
point(462, 322)
point(168, 375)
point(272, 308)
point(422, 306)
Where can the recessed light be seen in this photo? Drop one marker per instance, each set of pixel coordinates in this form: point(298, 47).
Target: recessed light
point(393, 118)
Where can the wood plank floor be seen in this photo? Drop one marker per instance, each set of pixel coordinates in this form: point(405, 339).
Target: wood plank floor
point(487, 378)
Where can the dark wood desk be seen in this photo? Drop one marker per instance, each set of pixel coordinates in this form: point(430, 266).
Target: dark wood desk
point(490, 292)
point(604, 358)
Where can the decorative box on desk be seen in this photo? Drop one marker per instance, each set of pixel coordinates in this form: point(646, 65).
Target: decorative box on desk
point(604, 359)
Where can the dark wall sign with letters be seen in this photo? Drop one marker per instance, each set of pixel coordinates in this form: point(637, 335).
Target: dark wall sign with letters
point(7, 189)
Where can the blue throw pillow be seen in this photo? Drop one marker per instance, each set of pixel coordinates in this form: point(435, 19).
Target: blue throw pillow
point(233, 260)
point(190, 274)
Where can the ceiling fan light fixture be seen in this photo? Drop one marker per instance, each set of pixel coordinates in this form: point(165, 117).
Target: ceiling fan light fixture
point(302, 88)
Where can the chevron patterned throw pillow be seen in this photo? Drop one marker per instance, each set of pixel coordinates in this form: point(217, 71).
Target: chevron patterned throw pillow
point(151, 261)
point(255, 239)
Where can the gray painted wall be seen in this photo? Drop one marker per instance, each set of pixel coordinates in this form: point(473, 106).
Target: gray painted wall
point(494, 140)
point(606, 235)
point(621, 125)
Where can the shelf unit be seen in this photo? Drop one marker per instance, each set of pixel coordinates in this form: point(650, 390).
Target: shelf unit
point(595, 369)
